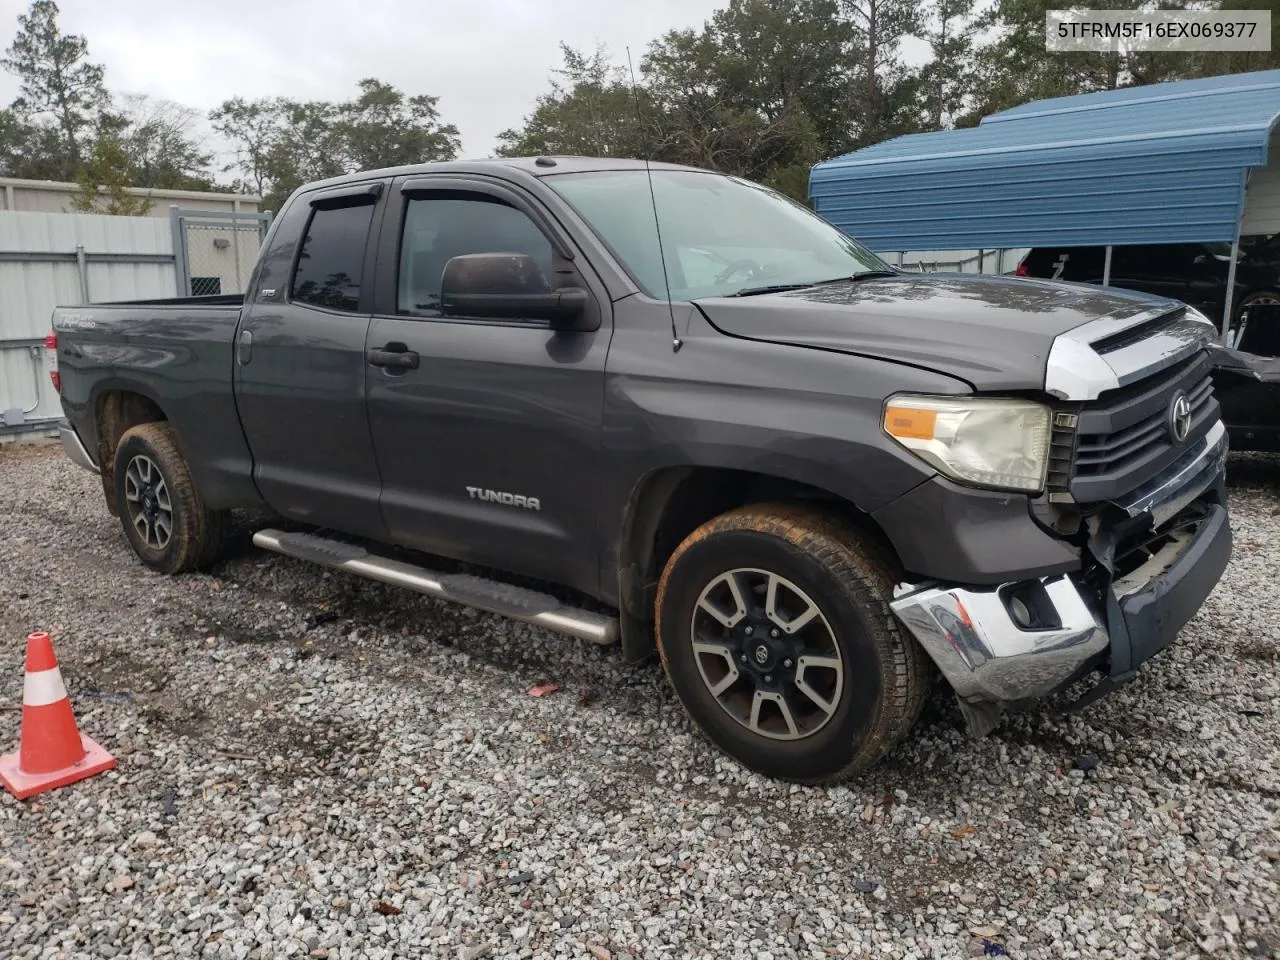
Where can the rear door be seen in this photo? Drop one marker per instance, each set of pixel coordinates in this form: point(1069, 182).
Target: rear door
point(300, 363)
point(489, 448)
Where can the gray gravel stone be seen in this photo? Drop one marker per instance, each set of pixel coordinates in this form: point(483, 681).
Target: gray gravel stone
point(317, 766)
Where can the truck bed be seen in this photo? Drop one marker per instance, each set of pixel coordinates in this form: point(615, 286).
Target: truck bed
point(213, 300)
point(177, 354)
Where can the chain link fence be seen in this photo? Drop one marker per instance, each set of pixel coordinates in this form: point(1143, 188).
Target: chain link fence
point(216, 252)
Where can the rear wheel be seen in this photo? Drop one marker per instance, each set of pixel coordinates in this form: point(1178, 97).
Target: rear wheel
point(775, 630)
point(164, 517)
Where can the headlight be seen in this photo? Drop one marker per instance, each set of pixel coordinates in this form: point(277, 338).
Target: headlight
point(986, 441)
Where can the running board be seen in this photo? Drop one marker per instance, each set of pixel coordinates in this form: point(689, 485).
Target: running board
point(540, 609)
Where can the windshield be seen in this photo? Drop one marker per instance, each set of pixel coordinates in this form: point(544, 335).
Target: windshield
point(720, 235)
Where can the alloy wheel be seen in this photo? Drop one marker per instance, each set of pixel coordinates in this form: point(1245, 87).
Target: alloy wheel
point(767, 654)
point(150, 507)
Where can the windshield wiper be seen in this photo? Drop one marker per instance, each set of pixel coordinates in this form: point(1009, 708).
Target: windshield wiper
point(772, 288)
point(783, 287)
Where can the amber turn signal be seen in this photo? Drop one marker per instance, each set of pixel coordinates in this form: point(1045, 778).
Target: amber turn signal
point(909, 423)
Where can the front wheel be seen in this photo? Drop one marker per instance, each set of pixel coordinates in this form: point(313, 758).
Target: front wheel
point(164, 517)
point(776, 633)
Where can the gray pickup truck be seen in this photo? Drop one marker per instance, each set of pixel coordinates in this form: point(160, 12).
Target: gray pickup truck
point(742, 439)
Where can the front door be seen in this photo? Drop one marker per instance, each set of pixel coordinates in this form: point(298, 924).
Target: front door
point(488, 449)
point(300, 365)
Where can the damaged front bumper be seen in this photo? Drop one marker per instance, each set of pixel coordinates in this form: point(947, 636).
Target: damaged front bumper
point(1033, 638)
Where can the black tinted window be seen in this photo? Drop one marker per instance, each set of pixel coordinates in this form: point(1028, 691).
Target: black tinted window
point(437, 229)
point(332, 258)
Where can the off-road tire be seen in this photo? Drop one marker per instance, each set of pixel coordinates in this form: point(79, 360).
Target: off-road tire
point(197, 533)
point(851, 580)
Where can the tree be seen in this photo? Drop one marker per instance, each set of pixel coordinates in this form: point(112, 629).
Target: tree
point(105, 178)
point(1017, 68)
point(161, 144)
point(590, 110)
point(948, 76)
point(761, 91)
point(59, 89)
point(882, 95)
point(384, 128)
point(253, 127)
point(281, 143)
point(1242, 61)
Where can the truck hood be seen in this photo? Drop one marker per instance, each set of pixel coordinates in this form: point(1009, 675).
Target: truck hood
point(994, 332)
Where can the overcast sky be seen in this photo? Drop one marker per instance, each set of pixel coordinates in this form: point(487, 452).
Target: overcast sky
point(485, 59)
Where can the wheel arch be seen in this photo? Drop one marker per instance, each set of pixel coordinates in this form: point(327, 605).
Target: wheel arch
point(669, 503)
point(117, 409)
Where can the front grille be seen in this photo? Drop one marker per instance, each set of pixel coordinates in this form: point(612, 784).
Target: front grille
point(1108, 452)
point(1122, 439)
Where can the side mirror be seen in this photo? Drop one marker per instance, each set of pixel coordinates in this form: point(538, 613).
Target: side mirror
point(507, 286)
point(1200, 259)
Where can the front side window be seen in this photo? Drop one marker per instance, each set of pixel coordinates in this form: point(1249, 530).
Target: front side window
point(720, 235)
point(330, 265)
point(439, 228)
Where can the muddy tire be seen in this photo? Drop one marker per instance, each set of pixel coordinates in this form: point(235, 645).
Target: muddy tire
point(163, 515)
point(775, 630)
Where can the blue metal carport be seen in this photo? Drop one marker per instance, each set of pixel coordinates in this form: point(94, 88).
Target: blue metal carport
point(1164, 163)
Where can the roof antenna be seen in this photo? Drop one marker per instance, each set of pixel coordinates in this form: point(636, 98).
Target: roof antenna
point(676, 342)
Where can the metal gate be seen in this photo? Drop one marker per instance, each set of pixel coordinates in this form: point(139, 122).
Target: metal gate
point(215, 251)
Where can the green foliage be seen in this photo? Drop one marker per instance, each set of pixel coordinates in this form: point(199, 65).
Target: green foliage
point(1016, 68)
point(763, 89)
point(590, 111)
point(65, 125)
point(882, 88)
point(162, 146)
point(384, 128)
point(105, 178)
point(768, 87)
point(947, 77)
point(62, 96)
point(282, 144)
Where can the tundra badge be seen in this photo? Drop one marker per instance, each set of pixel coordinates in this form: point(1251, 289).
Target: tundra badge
point(506, 499)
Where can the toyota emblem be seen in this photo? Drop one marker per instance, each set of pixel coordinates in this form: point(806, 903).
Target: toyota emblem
point(1180, 417)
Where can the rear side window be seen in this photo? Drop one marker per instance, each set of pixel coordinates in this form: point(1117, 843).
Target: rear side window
point(332, 258)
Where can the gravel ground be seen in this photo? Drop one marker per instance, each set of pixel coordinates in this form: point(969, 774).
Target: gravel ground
point(313, 765)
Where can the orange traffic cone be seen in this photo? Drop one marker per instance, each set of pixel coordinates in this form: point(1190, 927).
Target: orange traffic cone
point(51, 750)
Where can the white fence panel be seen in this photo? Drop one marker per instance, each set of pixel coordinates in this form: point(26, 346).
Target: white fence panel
point(124, 258)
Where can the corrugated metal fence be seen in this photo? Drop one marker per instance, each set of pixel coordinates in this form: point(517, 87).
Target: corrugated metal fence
point(53, 259)
point(63, 259)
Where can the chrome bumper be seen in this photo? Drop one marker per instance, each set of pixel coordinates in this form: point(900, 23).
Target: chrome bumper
point(986, 656)
point(74, 449)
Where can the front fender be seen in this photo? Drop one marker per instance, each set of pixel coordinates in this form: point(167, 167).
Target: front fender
point(798, 414)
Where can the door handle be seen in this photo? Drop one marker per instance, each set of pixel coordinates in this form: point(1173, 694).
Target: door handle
point(244, 352)
point(394, 356)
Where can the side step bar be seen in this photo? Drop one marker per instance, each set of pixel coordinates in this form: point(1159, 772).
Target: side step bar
point(504, 599)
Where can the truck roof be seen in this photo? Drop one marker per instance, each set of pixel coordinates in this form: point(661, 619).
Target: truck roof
point(529, 166)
